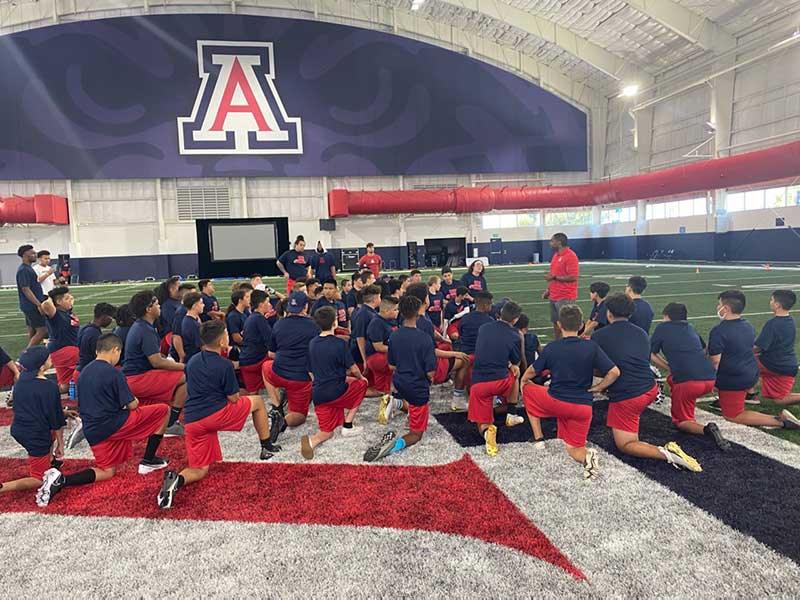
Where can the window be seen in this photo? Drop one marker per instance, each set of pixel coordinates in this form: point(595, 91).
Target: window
point(754, 200)
point(625, 214)
point(507, 221)
point(676, 209)
point(793, 196)
point(203, 203)
point(734, 202)
point(775, 198)
point(573, 217)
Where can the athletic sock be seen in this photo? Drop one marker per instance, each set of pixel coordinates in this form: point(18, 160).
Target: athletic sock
point(458, 393)
point(347, 425)
point(398, 404)
point(512, 409)
point(152, 445)
point(398, 445)
point(174, 413)
point(80, 478)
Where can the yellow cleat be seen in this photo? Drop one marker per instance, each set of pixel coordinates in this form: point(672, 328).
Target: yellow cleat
point(490, 435)
point(678, 458)
point(385, 399)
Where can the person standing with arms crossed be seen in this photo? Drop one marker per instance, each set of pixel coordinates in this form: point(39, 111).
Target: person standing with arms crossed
point(293, 264)
point(45, 272)
point(562, 279)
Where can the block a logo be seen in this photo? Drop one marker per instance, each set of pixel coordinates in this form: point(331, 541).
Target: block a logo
point(238, 109)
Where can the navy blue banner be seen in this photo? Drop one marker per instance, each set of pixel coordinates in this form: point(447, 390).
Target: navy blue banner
point(228, 95)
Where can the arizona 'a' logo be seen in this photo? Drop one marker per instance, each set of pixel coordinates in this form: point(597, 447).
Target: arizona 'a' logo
point(238, 109)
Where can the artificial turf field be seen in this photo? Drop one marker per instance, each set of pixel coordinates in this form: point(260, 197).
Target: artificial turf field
point(440, 519)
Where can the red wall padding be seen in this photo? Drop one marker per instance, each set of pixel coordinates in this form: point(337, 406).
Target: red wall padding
point(743, 169)
point(41, 208)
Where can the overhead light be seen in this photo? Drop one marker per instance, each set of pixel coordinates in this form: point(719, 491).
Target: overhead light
point(417, 4)
point(629, 91)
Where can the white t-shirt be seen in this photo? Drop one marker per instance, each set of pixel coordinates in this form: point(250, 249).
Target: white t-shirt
point(49, 283)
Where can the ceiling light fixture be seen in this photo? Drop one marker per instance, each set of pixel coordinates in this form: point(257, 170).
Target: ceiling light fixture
point(629, 91)
point(417, 4)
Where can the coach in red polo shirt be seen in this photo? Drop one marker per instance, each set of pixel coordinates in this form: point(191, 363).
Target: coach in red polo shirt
point(563, 278)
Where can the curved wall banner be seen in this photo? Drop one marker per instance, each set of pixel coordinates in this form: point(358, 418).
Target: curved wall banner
point(229, 95)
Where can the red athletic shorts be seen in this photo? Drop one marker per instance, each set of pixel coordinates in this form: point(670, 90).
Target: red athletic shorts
point(774, 385)
point(252, 376)
point(166, 342)
point(443, 366)
point(289, 285)
point(37, 465)
point(331, 414)
point(446, 346)
point(141, 424)
point(298, 393)
point(65, 360)
point(573, 419)
point(6, 377)
point(369, 374)
point(202, 442)
point(418, 417)
point(624, 415)
point(684, 397)
point(155, 386)
point(452, 330)
point(481, 398)
point(731, 402)
point(381, 374)
point(341, 331)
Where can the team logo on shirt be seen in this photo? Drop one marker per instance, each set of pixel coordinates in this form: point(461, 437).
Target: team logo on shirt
point(300, 260)
point(238, 109)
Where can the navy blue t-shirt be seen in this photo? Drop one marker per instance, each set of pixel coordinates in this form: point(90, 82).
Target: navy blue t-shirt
point(37, 412)
point(468, 329)
point(379, 330)
point(168, 310)
point(629, 348)
point(142, 341)
point(498, 345)
point(642, 317)
point(209, 303)
point(330, 359)
point(234, 322)
point(26, 277)
point(337, 305)
point(685, 351)
point(411, 352)
point(210, 379)
point(257, 335)
point(122, 333)
point(475, 284)
point(87, 344)
point(425, 325)
point(571, 362)
point(599, 315)
point(177, 320)
point(350, 299)
point(289, 341)
point(448, 290)
point(321, 263)
point(531, 348)
point(776, 341)
point(62, 330)
point(103, 395)
point(734, 340)
point(360, 322)
point(435, 308)
point(295, 264)
point(190, 335)
point(453, 308)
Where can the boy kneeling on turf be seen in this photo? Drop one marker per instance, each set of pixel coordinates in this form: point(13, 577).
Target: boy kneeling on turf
point(336, 397)
point(774, 349)
point(112, 421)
point(629, 396)
point(213, 405)
point(495, 373)
point(412, 359)
point(571, 361)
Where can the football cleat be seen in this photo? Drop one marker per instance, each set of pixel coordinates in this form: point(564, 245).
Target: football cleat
point(381, 448)
point(679, 459)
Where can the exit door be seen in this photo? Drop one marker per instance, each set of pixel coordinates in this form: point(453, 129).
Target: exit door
point(496, 251)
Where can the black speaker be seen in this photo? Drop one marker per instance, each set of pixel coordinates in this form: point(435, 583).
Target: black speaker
point(327, 224)
point(412, 255)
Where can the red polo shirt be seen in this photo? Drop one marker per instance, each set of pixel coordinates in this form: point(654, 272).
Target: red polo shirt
point(373, 262)
point(562, 264)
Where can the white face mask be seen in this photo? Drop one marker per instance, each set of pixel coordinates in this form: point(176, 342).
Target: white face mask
point(721, 314)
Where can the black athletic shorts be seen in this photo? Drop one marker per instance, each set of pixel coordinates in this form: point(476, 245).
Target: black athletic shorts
point(33, 319)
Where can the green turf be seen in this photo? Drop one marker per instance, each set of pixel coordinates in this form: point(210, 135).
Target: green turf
point(525, 285)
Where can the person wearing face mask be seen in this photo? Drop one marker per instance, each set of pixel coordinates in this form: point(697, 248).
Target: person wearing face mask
point(730, 348)
point(323, 263)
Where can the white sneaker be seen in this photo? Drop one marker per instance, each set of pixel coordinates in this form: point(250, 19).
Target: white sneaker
point(591, 464)
point(513, 420)
point(353, 431)
point(538, 444)
point(457, 403)
point(391, 406)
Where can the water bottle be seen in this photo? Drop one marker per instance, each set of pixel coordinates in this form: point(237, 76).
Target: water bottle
point(72, 394)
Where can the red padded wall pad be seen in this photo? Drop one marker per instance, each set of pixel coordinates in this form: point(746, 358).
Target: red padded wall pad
point(44, 209)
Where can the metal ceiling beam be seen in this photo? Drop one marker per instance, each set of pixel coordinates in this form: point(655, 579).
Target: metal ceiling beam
point(597, 56)
point(692, 27)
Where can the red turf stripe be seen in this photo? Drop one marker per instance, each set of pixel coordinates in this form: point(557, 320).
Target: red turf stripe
point(457, 498)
